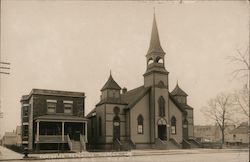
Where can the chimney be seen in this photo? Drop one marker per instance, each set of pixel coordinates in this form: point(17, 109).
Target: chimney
point(124, 90)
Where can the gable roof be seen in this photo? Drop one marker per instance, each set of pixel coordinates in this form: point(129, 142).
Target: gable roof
point(178, 91)
point(133, 96)
point(111, 84)
point(90, 114)
point(187, 107)
point(242, 129)
point(112, 101)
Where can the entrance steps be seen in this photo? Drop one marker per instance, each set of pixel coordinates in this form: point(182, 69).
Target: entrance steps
point(76, 146)
point(123, 145)
point(171, 144)
point(194, 143)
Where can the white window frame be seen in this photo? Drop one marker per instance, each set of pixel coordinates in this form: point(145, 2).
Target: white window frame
point(49, 103)
point(66, 105)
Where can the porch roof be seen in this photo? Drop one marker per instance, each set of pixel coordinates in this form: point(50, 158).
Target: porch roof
point(60, 117)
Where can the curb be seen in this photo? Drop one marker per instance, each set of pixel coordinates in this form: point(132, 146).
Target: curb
point(123, 154)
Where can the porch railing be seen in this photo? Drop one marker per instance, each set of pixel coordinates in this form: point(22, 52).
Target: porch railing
point(173, 139)
point(69, 143)
point(83, 142)
point(117, 145)
point(50, 139)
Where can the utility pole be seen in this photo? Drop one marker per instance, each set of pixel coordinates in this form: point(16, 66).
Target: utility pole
point(4, 69)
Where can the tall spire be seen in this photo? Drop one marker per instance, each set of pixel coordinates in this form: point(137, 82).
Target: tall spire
point(155, 45)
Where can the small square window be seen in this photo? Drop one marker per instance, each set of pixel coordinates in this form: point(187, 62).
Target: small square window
point(25, 111)
point(51, 107)
point(68, 108)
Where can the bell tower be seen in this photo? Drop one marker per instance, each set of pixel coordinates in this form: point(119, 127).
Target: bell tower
point(156, 74)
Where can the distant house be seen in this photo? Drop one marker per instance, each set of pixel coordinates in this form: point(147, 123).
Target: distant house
point(12, 138)
point(18, 136)
point(238, 136)
point(53, 120)
point(210, 133)
point(9, 138)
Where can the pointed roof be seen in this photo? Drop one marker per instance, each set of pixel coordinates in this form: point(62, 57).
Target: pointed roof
point(155, 45)
point(178, 91)
point(111, 84)
point(242, 129)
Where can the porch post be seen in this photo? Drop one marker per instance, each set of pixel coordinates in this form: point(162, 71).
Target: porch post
point(63, 131)
point(37, 131)
point(86, 133)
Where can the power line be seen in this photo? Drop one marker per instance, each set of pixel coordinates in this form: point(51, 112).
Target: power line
point(7, 63)
point(4, 66)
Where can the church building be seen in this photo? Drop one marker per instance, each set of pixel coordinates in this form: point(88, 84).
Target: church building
point(149, 116)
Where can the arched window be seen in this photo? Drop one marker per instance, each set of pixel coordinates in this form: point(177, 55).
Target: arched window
point(150, 61)
point(116, 110)
point(116, 119)
point(173, 125)
point(161, 103)
point(159, 60)
point(161, 84)
point(140, 124)
point(100, 126)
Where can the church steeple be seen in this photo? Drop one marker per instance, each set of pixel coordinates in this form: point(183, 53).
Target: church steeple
point(155, 54)
point(155, 59)
point(155, 44)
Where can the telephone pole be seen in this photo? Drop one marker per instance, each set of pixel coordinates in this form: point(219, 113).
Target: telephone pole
point(4, 69)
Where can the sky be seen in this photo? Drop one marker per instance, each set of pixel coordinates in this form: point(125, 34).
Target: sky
point(73, 45)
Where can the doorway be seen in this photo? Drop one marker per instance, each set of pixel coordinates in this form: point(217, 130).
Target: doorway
point(162, 132)
point(185, 129)
point(116, 128)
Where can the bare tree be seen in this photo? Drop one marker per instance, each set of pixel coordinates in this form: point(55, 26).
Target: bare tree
point(219, 111)
point(241, 101)
point(241, 62)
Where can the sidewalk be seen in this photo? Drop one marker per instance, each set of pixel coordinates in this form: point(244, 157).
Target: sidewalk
point(8, 155)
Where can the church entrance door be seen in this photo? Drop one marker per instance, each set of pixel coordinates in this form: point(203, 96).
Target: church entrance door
point(185, 129)
point(116, 128)
point(162, 132)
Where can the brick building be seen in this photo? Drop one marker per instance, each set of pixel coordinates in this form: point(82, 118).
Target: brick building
point(53, 120)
